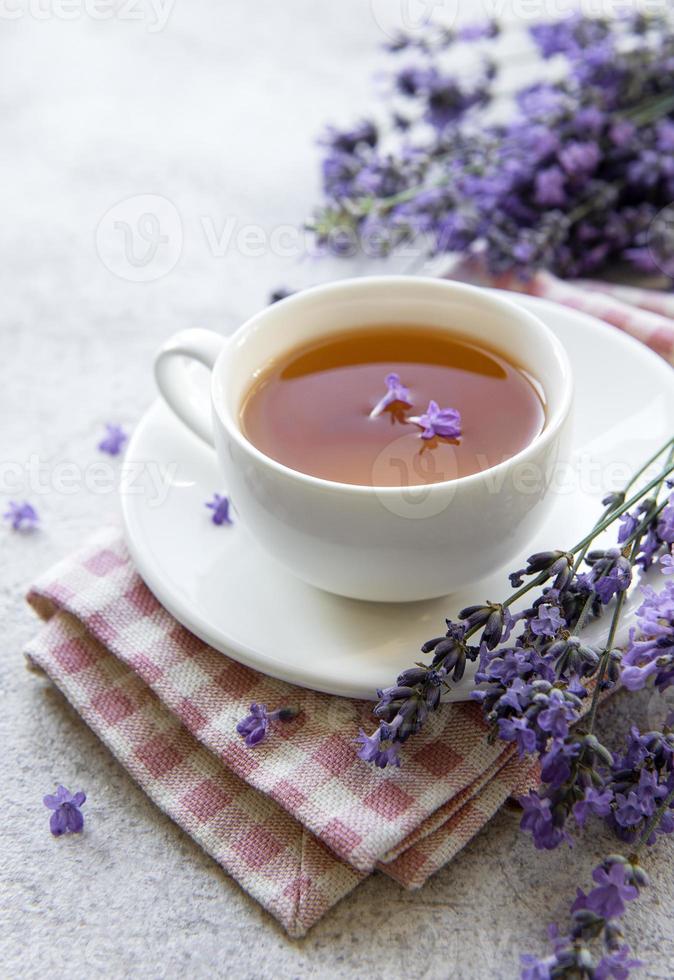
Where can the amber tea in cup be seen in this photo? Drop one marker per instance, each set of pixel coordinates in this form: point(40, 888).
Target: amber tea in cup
point(312, 408)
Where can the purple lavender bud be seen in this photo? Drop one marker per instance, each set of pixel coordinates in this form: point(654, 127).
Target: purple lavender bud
point(114, 440)
point(479, 31)
point(412, 677)
point(277, 295)
point(255, 726)
point(374, 748)
point(593, 750)
point(491, 635)
point(432, 644)
point(614, 500)
point(447, 647)
point(395, 693)
point(454, 663)
point(285, 714)
point(491, 616)
point(543, 560)
point(433, 694)
point(613, 890)
point(395, 392)
point(557, 563)
point(475, 615)
point(347, 141)
point(21, 516)
point(66, 817)
point(436, 421)
point(220, 506)
point(573, 657)
point(538, 819)
point(586, 924)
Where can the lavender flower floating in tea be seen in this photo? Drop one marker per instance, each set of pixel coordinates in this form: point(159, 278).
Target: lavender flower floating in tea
point(395, 392)
point(436, 421)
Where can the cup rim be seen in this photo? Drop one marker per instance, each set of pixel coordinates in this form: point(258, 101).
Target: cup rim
point(499, 302)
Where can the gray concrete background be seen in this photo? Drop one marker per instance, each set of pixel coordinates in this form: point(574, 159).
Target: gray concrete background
point(215, 112)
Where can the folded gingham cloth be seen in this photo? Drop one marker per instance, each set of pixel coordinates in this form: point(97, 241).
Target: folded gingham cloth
point(645, 314)
point(298, 820)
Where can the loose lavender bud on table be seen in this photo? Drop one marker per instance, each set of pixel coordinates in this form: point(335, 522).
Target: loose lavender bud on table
point(114, 440)
point(21, 517)
point(66, 817)
point(278, 294)
point(255, 726)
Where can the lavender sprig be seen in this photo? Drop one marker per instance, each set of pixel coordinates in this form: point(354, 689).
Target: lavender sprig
point(574, 179)
point(594, 917)
point(533, 691)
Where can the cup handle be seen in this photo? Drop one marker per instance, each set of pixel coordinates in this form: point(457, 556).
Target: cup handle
point(181, 388)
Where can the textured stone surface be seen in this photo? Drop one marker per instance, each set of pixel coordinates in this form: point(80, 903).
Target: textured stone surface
point(216, 113)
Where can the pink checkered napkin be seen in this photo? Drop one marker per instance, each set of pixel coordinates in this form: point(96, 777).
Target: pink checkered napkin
point(122, 660)
point(645, 314)
point(292, 874)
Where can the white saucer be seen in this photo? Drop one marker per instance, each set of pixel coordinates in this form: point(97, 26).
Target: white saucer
point(221, 585)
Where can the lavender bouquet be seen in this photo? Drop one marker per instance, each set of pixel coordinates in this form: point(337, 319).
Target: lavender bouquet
point(540, 686)
point(578, 175)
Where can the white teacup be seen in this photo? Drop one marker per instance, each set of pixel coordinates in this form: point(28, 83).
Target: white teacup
point(386, 543)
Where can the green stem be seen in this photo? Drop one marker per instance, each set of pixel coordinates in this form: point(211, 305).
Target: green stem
point(610, 516)
point(659, 479)
point(656, 109)
point(605, 657)
point(584, 611)
point(583, 551)
point(656, 818)
point(648, 463)
point(634, 540)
